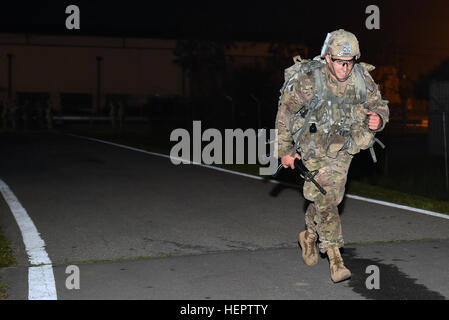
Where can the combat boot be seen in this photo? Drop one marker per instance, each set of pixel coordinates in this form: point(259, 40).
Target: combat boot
point(307, 241)
point(338, 270)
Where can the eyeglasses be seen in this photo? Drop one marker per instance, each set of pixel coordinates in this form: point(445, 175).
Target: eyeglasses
point(341, 62)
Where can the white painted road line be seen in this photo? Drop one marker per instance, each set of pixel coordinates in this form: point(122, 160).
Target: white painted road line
point(384, 203)
point(41, 283)
point(394, 205)
point(251, 176)
point(41, 280)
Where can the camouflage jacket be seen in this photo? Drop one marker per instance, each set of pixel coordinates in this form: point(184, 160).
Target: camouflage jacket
point(296, 97)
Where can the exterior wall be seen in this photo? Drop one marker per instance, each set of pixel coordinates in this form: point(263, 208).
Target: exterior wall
point(48, 66)
point(69, 65)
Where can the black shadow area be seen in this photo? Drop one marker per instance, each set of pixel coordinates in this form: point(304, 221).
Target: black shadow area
point(394, 284)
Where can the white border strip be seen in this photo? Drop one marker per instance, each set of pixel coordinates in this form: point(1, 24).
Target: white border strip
point(41, 280)
point(385, 203)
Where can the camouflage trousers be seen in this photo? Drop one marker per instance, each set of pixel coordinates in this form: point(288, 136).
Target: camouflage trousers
point(322, 216)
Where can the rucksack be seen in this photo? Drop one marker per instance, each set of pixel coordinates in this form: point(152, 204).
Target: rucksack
point(306, 66)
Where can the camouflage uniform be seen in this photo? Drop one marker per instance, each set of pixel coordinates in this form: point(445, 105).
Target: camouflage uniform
point(328, 148)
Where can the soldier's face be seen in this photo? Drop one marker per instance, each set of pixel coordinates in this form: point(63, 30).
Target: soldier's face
point(340, 67)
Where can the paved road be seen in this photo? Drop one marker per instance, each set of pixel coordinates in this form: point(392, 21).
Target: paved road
point(139, 227)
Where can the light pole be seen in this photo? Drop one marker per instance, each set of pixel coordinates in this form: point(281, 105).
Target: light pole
point(9, 75)
point(445, 150)
point(98, 104)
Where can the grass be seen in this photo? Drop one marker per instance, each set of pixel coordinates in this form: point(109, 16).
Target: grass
point(6, 256)
point(7, 259)
point(412, 200)
point(3, 295)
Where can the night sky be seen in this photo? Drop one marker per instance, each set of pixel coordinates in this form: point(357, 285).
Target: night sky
point(237, 20)
point(414, 28)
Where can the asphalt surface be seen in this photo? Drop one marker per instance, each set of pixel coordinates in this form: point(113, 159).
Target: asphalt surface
point(139, 227)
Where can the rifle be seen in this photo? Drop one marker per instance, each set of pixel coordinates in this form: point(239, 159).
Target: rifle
point(305, 173)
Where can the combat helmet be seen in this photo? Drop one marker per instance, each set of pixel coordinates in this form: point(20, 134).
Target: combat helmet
point(341, 43)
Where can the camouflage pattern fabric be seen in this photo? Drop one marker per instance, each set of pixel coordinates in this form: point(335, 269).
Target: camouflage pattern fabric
point(300, 93)
point(318, 149)
point(341, 43)
point(322, 215)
